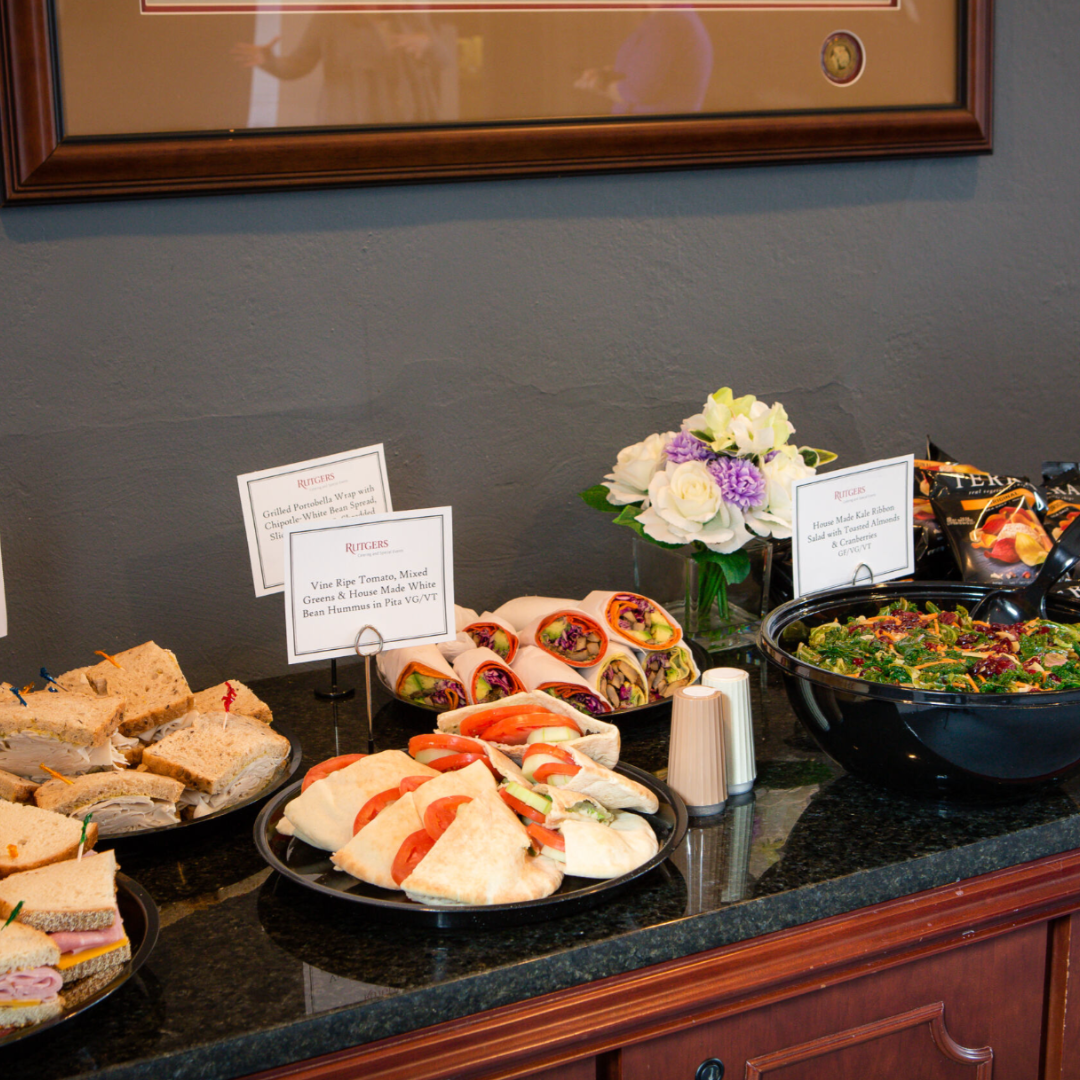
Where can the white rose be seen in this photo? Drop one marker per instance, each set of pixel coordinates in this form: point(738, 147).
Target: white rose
point(685, 505)
point(774, 517)
point(635, 467)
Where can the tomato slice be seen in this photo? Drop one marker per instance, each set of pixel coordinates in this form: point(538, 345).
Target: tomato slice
point(459, 761)
point(552, 768)
point(550, 749)
point(514, 730)
point(522, 808)
point(440, 814)
point(476, 723)
point(373, 807)
point(442, 741)
point(325, 768)
point(545, 837)
point(413, 848)
point(411, 783)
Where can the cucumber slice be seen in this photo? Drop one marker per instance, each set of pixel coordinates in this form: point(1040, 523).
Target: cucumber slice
point(552, 735)
point(529, 798)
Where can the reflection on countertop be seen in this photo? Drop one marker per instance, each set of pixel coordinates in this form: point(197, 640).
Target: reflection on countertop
point(252, 971)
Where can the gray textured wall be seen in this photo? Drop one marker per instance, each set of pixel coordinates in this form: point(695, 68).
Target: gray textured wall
point(505, 340)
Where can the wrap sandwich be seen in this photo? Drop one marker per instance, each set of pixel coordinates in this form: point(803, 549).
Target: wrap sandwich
point(482, 857)
point(487, 631)
point(633, 619)
point(619, 678)
point(485, 676)
point(422, 676)
point(599, 739)
point(667, 670)
point(324, 814)
point(539, 670)
point(566, 766)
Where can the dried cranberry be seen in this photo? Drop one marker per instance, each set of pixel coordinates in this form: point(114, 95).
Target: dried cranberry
point(965, 641)
point(993, 665)
point(857, 661)
point(949, 618)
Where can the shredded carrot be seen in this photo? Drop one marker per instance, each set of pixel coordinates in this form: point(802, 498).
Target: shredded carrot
point(111, 659)
point(54, 774)
point(973, 682)
point(931, 663)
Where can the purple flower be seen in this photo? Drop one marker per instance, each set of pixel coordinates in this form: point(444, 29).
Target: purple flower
point(740, 481)
point(686, 447)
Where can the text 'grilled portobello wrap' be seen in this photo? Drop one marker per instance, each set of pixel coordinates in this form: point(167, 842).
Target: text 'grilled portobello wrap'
point(422, 676)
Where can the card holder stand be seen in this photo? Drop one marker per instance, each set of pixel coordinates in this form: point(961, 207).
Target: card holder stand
point(858, 570)
point(374, 647)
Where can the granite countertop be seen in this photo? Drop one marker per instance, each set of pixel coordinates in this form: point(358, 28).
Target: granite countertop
point(252, 971)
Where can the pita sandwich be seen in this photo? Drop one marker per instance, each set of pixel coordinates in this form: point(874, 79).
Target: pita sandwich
point(482, 858)
point(601, 851)
point(612, 789)
point(323, 815)
point(474, 780)
point(369, 855)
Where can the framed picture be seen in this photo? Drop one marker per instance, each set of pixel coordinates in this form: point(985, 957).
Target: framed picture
point(125, 98)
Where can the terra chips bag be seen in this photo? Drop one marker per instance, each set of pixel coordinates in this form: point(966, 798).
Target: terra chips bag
point(1061, 481)
point(993, 525)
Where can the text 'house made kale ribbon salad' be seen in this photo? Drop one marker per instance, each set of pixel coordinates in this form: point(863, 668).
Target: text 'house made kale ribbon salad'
point(948, 650)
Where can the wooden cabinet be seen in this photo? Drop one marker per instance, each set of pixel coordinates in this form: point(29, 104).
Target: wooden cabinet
point(970, 981)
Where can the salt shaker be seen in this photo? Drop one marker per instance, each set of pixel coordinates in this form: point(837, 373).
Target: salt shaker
point(734, 685)
point(696, 768)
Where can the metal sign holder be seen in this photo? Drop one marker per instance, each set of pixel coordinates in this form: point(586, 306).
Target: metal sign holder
point(375, 648)
point(858, 569)
point(335, 692)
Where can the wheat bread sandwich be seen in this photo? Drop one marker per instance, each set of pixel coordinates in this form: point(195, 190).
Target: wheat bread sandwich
point(323, 815)
point(120, 802)
point(29, 980)
point(156, 694)
point(31, 837)
point(68, 733)
point(483, 857)
point(16, 788)
point(221, 759)
point(245, 702)
point(74, 902)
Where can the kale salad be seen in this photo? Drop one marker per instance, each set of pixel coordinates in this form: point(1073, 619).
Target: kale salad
point(948, 650)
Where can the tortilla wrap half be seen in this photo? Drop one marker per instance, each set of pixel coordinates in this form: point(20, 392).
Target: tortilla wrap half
point(482, 858)
point(667, 670)
point(422, 675)
point(323, 815)
point(539, 670)
point(601, 740)
point(634, 620)
point(619, 679)
point(486, 676)
point(488, 631)
point(369, 855)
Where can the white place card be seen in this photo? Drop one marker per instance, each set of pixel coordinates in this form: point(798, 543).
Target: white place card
point(335, 488)
point(852, 520)
point(394, 572)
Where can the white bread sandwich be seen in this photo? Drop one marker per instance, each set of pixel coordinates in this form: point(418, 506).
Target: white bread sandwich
point(149, 679)
point(68, 733)
point(246, 703)
point(29, 981)
point(221, 759)
point(74, 902)
point(324, 814)
point(121, 802)
point(16, 788)
point(483, 857)
point(31, 837)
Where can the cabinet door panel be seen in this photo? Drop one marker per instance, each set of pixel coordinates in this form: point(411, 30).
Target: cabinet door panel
point(928, 1018)
point(574, 1070)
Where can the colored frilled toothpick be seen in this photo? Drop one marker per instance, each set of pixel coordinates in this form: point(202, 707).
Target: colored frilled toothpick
point(82, 838)
point(53, 684)
point(14, 914)
point(227, 699)
point(15, 691)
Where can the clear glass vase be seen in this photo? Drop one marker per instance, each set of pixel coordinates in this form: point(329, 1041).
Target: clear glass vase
point(673, 578)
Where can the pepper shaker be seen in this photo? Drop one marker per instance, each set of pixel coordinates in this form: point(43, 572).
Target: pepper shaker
point(734, 685)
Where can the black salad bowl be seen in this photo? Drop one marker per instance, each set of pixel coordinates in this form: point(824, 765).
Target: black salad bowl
point(967, 746)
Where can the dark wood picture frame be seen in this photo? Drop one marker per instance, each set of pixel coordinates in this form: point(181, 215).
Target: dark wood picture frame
point(41, 165)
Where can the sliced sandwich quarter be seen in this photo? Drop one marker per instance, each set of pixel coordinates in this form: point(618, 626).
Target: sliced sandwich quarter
point(221, 760)
point(121, 802)
point(245, 703)
point(75, 903)
point(149, 680)
point(29, 981)
point(31, 837)
point(69, 733)
point(16, 788)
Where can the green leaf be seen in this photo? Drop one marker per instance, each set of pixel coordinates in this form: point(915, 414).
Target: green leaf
point(704, 436)
point(735, 565)
point(628, 517)
point(597, 498)
point(814, 458)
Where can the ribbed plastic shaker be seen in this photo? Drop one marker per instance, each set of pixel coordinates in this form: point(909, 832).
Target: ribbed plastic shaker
point(696, 768)
point(734, 685)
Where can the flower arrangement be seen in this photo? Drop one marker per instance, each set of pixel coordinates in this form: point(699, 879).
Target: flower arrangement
point(723, 478)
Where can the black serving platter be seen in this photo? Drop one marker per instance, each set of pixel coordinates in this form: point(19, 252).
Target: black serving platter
point(312, 868)
point(141, 922)
point(968, 745)
point(129, 840)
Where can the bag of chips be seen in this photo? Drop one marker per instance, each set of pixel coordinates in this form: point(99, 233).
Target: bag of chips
point(1061, 480)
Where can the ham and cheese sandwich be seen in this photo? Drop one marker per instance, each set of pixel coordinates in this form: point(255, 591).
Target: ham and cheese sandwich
point(29, 980)
point(74, 902)
point(31, 837)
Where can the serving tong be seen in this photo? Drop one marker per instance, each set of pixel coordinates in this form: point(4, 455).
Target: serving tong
point(1029, 602)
